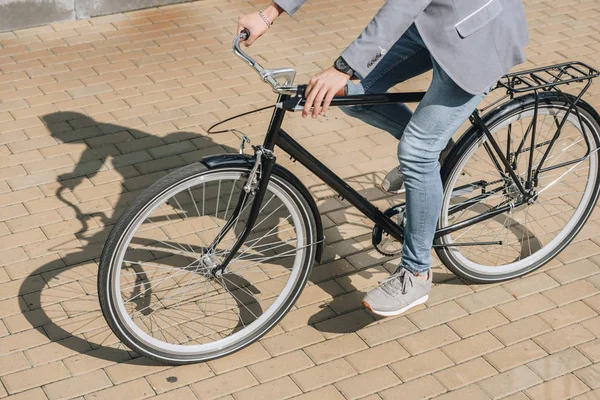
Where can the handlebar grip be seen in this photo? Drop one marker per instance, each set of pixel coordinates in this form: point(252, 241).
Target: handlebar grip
point(246, 34)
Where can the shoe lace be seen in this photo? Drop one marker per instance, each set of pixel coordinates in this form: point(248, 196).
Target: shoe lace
point(398, 281)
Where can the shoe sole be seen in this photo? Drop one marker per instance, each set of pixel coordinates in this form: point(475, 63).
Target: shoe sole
point(394, 191)
point(398, 312)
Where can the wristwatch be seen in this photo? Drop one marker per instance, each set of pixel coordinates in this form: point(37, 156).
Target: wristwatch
point(341, 65)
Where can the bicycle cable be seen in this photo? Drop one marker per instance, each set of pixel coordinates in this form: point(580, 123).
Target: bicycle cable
point(209, 131)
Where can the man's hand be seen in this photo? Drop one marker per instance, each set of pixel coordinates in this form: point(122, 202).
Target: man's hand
point(321, 89)
point(255, 24)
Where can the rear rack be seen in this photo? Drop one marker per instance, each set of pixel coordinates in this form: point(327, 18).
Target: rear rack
point(548, 78)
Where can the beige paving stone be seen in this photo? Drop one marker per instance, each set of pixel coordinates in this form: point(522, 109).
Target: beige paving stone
point(335, 348)
point(525, 307)
point(378, 356)
point(569, 336)
point(290, 341)
point(303, 316)
point(465, 373)
point(559, 364)
point(420, 365)
point(574, 271)
point(133, 369)
point(568, 314)
point(222, 385)
point(326, 392)
point(137, 389)
point(367, 383)
point(563, 387)
point(509, 382)
point(33, 394)
point(184, 393)
point(282, 388)
point(386, 330)
point(571, 292)
point(515, 355)
point(520, 330)
point(478, 322)
point(78, 386)
point(283, 365)
point(323, 374)
point(176, 377)
point(423, 388)
point(22, 341)
point(472, 347)
point(249, 355)
point(12, 363)
point(593, 302)
point(592, 325)
point(437, 315)
point(58, 350)
point(591, 350)
point(529, 285)
point(590, 375)
point(471, 392)
point(485, 299)
point(429, 339)
point(592, 395)
point(345, 323)
point(34, 377)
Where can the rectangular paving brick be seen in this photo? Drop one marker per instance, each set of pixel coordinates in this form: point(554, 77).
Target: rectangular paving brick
point(326, 392)
point(138, 389)
point(571, 292)
point(378, 356)
point(282, 388)
point(509, 382)
point(34, 377)
point(569, 336)
point(567, 314)
point(335, 348)
point(221, 385)
point(420, 365)
point(478, 322)
point(429, 339)
point(368, 383)
point(422, 388)
point(563, 387)
point(521, 330)
point(465, 373)
point(283, 365)
point(515, 355)
point(472, 347)
point(590, 375)
point(559, 364)
point(485, 299)
point(437, 315)
point(323, 374)
point(386, 330)
point(77, 386)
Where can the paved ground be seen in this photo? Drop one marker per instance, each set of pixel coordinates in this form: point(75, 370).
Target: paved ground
point(93, 111)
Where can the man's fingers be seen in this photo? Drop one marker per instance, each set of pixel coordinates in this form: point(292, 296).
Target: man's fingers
point(318, 101)
point(330, 95)
point(310, 98)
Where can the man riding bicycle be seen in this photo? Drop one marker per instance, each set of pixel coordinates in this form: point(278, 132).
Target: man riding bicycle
point(469, 45)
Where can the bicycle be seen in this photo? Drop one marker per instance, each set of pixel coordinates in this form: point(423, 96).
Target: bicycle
point(212, 256)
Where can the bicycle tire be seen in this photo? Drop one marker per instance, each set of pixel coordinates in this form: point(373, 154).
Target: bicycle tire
point(138, 207)
point(513, 109)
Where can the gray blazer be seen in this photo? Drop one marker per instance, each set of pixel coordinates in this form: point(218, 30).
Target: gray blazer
point(474, 41)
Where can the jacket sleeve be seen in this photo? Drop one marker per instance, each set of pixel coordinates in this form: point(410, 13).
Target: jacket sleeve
point(388, 25)
point(290, 6)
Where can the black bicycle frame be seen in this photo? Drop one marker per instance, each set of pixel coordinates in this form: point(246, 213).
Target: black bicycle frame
point(278, 137)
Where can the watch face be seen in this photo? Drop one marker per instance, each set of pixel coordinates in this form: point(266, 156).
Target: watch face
point(341, 65)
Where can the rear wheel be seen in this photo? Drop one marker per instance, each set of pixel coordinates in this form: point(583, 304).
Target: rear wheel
point(157, 285)
point(528, 235)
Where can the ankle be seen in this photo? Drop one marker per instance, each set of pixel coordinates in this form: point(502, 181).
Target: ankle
point(422, 275)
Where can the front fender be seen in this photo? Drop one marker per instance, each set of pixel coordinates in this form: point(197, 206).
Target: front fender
point(243, 160)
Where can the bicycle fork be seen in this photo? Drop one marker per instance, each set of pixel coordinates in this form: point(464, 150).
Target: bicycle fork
point(265, 160)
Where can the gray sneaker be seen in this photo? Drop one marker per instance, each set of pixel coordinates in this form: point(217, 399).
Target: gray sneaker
point(398, 293)
point(394, 180)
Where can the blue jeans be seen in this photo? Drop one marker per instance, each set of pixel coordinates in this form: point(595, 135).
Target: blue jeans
point(422, 135)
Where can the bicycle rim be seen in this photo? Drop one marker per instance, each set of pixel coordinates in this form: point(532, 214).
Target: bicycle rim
point(166, 299)
point(531, 234)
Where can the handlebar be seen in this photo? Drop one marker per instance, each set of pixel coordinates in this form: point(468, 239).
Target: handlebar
point(270, 76)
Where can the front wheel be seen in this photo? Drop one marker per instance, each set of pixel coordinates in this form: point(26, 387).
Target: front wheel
point(476, 184)
point(157, 283)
